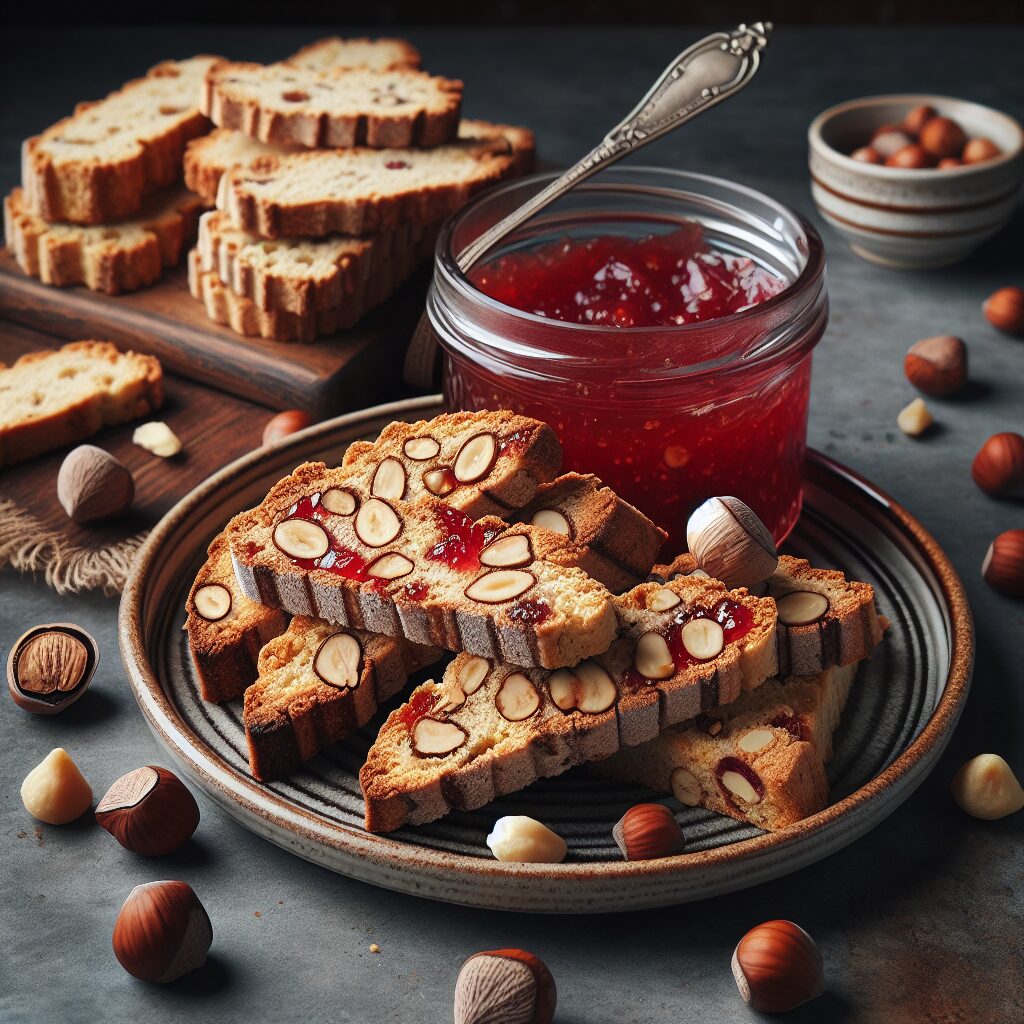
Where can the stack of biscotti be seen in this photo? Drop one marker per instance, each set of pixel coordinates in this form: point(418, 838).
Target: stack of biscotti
point(101, 202)
point(332, 171)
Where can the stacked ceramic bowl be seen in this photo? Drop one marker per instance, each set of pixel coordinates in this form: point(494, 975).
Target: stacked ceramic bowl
point(913, 218)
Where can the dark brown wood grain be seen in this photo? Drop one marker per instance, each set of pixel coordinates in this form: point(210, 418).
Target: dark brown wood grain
point(353, 369)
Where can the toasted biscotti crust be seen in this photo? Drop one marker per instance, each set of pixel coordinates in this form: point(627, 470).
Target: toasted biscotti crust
point(115, 258)
point(291, 712)
point(781, 732)
point(81, 387)
point(619, 543)
point(403, 785)
point(100, 164)
point(333, 108)
point(530, 456)
point(225, 650)
point(334, 52)
point(849, 631)
point(541, 614)
point(358, 191)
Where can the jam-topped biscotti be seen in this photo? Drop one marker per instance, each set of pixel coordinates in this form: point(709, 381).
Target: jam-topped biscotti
point(317, 684)
point(824, 618)
point(420, 570)
point(760, 760)
point(488, 729)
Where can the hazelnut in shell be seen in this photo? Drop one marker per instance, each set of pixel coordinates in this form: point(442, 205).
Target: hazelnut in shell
point(911, 157)
point(284, 423)
point(1004, 310)
point(92, 485)
point(937, 366)
point(162, 932)
point(998, 468)
point(942, 136)
point(1003, 567)
point(50, 667)
point(917, 118)
point(505, 985)
point(149, 812)
point(977, 151)
point(777, 967)
point(866, 155)
point(730, 543)
point(648, 831)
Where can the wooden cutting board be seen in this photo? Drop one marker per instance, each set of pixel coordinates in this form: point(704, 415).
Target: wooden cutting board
point(350, 370)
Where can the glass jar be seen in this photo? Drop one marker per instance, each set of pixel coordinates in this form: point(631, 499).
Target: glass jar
point(666, 416)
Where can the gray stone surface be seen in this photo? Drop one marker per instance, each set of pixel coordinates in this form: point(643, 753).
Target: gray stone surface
point(919, 921)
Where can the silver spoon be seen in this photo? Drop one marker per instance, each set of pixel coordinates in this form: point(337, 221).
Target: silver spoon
point(702, 76)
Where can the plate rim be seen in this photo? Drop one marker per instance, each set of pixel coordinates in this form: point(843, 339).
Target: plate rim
point(400, 857)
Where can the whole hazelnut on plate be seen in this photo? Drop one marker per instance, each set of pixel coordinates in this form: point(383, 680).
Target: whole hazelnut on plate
point(949, 163)
point(285, 423)
point(1004, 310)
point(998, 468)
point(162, 932)
point(149, 811)
point(942, 136)
point(92, 485)
point(888, 139)
point(777, 967)
point(55, 791)
point(911, 157)
point(730, 543)
point(986, 788)
point(866, 155)
point(937, 366)
point(648, 831)
point(1003, 567)
point(917, 118)
point(505, 985)
point(979, 150)
point(50, 667)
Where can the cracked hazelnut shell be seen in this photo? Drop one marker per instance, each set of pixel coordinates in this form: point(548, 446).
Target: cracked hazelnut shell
point(50, 667)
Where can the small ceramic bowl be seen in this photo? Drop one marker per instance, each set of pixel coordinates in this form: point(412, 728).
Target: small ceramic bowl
point(913, 218)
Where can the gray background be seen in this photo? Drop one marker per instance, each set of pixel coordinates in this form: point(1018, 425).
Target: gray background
point(919, 921)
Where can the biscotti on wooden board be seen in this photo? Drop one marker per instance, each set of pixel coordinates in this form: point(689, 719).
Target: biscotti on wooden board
point(824, 618)
point(420, 570)
point(490, 729)
point(49, 399)
point(226, 631)
point(338, 107)
point(112, 258)
point(317, 684)
point(101, 163)
point(760, 760)
point(334, 52)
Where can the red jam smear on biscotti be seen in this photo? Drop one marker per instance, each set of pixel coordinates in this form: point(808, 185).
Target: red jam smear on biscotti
point(532, 611)
point(416, 591)
point(418, 706)
point(735, 619)
point(662, 280)
point(461, 541)
point(338, 559)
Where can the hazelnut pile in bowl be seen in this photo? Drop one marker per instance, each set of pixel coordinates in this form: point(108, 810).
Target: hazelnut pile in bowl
point(875, 167)
point(925, 140)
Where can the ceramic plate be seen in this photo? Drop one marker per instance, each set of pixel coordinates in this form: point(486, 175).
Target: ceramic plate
point(904, 705)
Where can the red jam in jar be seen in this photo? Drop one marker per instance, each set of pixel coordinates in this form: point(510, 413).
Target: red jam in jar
point(664, 330)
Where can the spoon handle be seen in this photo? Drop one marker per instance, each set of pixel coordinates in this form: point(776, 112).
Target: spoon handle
point(705, 74)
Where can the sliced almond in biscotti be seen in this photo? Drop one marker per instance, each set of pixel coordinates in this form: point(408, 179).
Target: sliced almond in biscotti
point(300, 276)
point(295, 553)
point(485, 463)
point(490, 729)
point(824, 618)
point(337, 107)
point(357, 191)
point(619, 543)
point(760, 759)
point(317, 684)
point(112, 258)
point(226, 631)
point(100, 164)
point(334, 52)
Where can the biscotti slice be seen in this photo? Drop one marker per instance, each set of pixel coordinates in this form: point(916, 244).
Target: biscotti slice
point(483, 463)
point(489, 729)
point(100, 164)
point(339, 107)
point(619, 543)
point(226, 631)
point(760, 760)
point(317, 684)
point(49, 399)
point(333, 52)
point(112, 258)
point(208, 157)
point(824, 618)
point(358, 191)
point(300, 276)
point(420, 570)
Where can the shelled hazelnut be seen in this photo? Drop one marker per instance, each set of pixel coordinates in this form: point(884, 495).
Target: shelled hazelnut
point(937, 366)
point(777, 967)
point(522, 840)
point(986, 788)
point(1004, 310)
point(505, 985)
point(923, 140)
point(915, 419)
point(50, 667)
point(55, 791)
point(149, 811)
point(157, 438)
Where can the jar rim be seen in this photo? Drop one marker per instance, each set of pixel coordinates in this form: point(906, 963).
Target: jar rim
point(811, 250)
